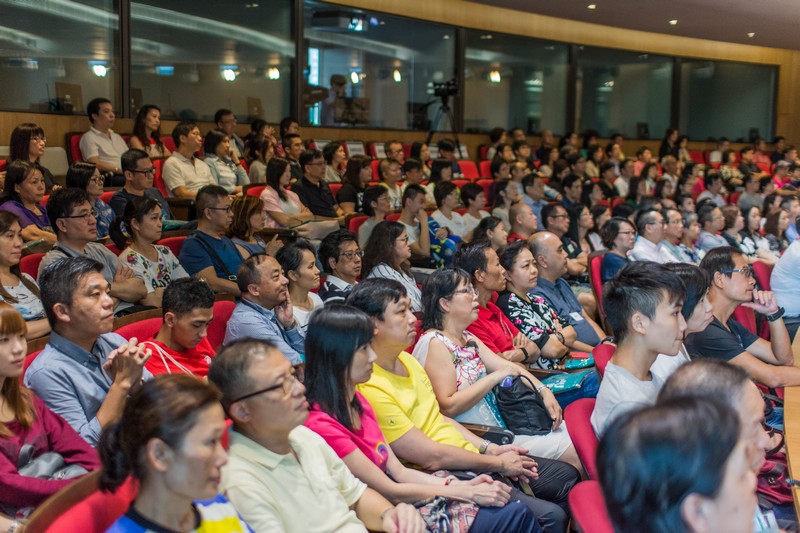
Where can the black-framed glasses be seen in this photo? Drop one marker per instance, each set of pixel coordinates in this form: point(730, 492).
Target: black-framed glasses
point(746, 271)
point(287, 385)
point(151, 170)
point(466, 290)
point(93, 214)
point(350, 254)
point(97, 179)
point(226, 209)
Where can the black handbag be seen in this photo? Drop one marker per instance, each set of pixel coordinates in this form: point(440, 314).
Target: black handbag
point(522, 408)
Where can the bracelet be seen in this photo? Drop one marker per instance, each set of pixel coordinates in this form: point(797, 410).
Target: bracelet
point(383, 514)
point(450, 479)
point(560, 337)
point(484, 446)
point(525, 353)
point(15, 525)
point(776, 315)
point(540, 388)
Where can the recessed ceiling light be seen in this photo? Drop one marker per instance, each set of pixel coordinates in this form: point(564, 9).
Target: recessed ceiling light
point(673, 22)
point(486, 36)
point(751, 34)
point(591, 6)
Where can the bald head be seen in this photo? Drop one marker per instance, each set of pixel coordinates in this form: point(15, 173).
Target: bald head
point(548, 251)
point(523, 220)
point(708, 377)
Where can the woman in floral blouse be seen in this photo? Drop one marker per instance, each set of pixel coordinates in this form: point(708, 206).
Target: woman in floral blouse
point(154, 264)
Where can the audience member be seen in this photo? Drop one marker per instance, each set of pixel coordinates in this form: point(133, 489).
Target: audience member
point(627, 172)
point(223, 162)
point(154, 264)
point(170, 442)
point(101, 145)
point(421, 152)
point(340, 257)
point(691, 231)
point(376, 207)
point(183, 173)
point(393, 149)
point(139, 173)
point(390, 174)
point(784, 284)
point(619, 236)
point(714, 185)
point(643, 305)
point(23, 190)
point(335, 159)
point(206, 253)
point(259, 152)
point(415, 221)
point(648, 247)
point(386, 257)
point(474, 199)
point(86, 176)
point(282, 205)
point(357, 175)
point(28, 143)
point(446, 195)
point(533, 194)
point(524, 222)
point(751, 236)
point(299, 262)
point(580, 223)
point(493, 230)
point(147, 133)
point(29, 431)
point(85, 373)
point(293, 146)
point(715, 156)
point(271, 450)
point(447, 150)
point(226, 123)
point(775, 231)
point(181, 344)
point(312, 189)
point(413, 171)
point(601, 214)
point(249, 220)
point(791, 204)
point(505, 195)
point(710, 218)
point(673, 232)
point(732, 232)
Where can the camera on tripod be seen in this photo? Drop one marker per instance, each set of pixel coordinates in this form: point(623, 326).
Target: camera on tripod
point(445, 89)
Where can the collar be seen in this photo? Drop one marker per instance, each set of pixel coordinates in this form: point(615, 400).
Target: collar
point(546, 283)
point(308, 183)
point(249, 450)
point(182, 157)
point(67, 250)
point(98, 132)
point(647, 243)
point(75, 352)
point(339, 283)
point(259, 309)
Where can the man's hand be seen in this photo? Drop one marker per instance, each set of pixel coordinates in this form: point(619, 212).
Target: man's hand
point(126, 363)
point(403, 518)
point(764, 302)
point(284, 313)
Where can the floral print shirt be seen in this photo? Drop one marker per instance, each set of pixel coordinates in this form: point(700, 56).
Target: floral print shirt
point(157, 273)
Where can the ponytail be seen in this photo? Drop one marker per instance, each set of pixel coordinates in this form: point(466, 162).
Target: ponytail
point(116, 461)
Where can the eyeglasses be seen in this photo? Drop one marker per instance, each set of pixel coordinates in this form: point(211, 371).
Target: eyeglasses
point(97, 179)
point(91, 214)
point(351, 254)
point(287, 385)
point(403, 239)
point(559, 216)
point(466, 290)
point(226, 209)
point(747, 272)
point(151, 170)
point(317, 164)
point(626, 233)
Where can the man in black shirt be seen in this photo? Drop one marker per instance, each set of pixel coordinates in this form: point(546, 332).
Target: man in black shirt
point(312, 189)
point(139, 172)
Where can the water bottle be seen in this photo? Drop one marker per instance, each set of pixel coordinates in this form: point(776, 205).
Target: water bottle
point(507, 381)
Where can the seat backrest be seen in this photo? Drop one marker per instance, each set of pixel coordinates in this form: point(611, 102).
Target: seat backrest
point(29, 264)
point(158, 180)
point(255, 190)
point(589, 508)
point(485, 169)
point(334, 187)
point(113, 248)
point(74, 144)
point(173, 243)
point(106, 196)
point(28, 360)
point(223, 309)
point(596, 280)
point(746, 317)
point(355, 223)
point(602, 355)
point(762, 272)
point(460, 182)
point(487, 190)
point(578, 416)
point(469, 170)
point(55, 160)
point(374, 164)
point(142, 330)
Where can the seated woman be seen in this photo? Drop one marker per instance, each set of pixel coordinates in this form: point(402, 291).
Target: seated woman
point(580, 223)
point(376, 206)
point(249, 219)
point(463, 371)
point(23, 191)
point(729, 170)
point(505, 194)
point(18, 289)
point(732, 232)
point(420, 151)
point(474, 199)
point(258, 153)
point(446, 196)
point(224, 162)
point(147, 132)
point(156, 265)
point(441, 170)
point(28, 429)
point(335, 158)
point(493, 230)
point(27, 144)
point(775, 232)
point(600, 215)
point(637, 190)
point(357, 176)
point(86, 176)
point(751, 234)
point(619, 236)
point(299, 264)
point(680, 466)
point(339, 357)
point(283, 207)
point(387, 254)
point(170, 440)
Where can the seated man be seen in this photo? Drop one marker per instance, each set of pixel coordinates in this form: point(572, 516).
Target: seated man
point(139, 172)
point(183, 173)
point(412, 423)
point(226, 123)
point(643, 304)
point(206, 253)
point(416, 220)
point(523, 222)
point(281, 476)
point(714, 184)
point(85, 373)
point(293, 146)
point(712, 221)
point(73, 220)
point(390, 172)
point(551, 259)
point(312, 188)
point(534, 194)
point(732, 284)
point(181, 344)
point(265, 310)
point(101, 145)
point(650, 224)
point(340, 256)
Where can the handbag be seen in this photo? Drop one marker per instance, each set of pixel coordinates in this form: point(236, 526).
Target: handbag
point(446, 515)
point(522, 408)
point(49, 465)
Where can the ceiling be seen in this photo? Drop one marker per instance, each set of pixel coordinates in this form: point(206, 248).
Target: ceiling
point(774, 22)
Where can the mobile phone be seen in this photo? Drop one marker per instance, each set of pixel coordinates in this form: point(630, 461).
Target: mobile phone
point(31, 244)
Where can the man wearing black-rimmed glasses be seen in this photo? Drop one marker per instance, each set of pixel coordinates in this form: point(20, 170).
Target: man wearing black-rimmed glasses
point(139, 173)
point(732, 284)
point(340, 256)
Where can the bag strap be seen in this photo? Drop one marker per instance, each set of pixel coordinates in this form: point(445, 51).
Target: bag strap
point(208, 248)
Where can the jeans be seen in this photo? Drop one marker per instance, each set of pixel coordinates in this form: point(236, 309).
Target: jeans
point(588, 389)
point(515, 516)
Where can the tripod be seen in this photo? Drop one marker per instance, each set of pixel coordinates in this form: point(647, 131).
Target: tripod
point(444, 110)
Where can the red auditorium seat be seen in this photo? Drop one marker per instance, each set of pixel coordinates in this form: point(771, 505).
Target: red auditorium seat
point(487, 189)
point(589, 508)
point(73, 146)
point(169, 144)
point(173, 243)
point(356, 223)
point(142, 330)
point(762, 272)
point(256, 191)
point(578, 416)
point(374, 164)
point(334, 187)
point(158, 180)
point(223, 309)
point(602, 355)
point(469, 170)
point(485, 169)
point(460, 183)
point(596, 280)
point(29, 264)
point(106, 196)
point(113, 248)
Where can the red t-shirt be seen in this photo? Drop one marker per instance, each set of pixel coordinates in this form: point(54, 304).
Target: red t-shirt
point(197, 360)
point(368, 439)
point(514, 237)
point(493, 328)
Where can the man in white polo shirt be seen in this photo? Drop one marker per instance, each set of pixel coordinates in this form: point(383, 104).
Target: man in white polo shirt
point(184, 174)
point(101, 145)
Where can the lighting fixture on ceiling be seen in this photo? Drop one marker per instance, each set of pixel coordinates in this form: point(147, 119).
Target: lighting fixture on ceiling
point(99, 68)
point(273, 73)
point(396, 76)
point(673, 22)
point(591, 6)
point(229, 72)
point(494, 76)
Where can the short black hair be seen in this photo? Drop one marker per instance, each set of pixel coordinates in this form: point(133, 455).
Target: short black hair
point(570, 180)
point(307, 156)
point(471, 257)
point(208, 196)
point(331, 245)
point(183, 128)
point(610, 230)
point(62, 202)
point(442, 190)
point(60, 279)
point(548, 211)
point(440, 284)
point(496, 164)
point(720, 259)
point(529, 180)
point(284, 125)
point(496, 134)
point(213, 139)
point(93, 107)
point(411, 164)
point(411, 192)
point(79, 174)
point(371, 195)
point(373, 295)
point(290, 256)
point(184, 295)
point(446, 145)
point(221, 113)
point(230, 368)
point(130, 158)
point(469, 192)
point(696, 282)
point(706, 213)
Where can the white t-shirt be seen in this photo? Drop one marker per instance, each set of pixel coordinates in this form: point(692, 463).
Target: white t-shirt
point(470, 222)
point(620, 392)
point(455, 223)
point(301, 315)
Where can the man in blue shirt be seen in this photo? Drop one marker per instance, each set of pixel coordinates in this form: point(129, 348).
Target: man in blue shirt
point(207, 254)
point(85, 373)
point(265, 310)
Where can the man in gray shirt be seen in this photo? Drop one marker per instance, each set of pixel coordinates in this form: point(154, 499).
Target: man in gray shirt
point(265, 310)
point(85, 373)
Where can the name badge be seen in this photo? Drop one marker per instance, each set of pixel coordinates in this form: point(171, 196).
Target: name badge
point(576, 316)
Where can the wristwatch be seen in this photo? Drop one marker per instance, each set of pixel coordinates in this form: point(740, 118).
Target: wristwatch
point(776, 315)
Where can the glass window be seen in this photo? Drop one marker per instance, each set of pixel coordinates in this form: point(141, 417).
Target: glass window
point(724, 99)
point(623, 92)
point(514, 82)
point(367, 69)
point(193, 57)
point(56, 56)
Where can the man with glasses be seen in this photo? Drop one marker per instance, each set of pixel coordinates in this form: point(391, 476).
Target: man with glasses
point(673, 231)
point(208, 254)
point(183, 173)
point(340, 256)
point(139, 173)
point(312, 188)
point(264, 311)
point(394, 150)
point(732, 284)
point(75, 224)
point(281, 476)
point(650, 224)
point(226, 122)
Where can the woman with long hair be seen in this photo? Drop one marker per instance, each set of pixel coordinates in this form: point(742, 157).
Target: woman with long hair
point(420, 151)
point(505, 193)
point(441, 170)
point(637, 190)
point(258, 152)
point(23, 190)
point(775, 231)
point(18, 289)
point(493, 230)
point(28, 143)
point(751, 234)
point(249, 219)
point(86, 176)
point(594, 160)
point(155, 264)
point(335, 159)
point(338, 358)
point(732, 232)
point(580, 223)
point(283, 207)
point(357, 175)
point(28, 429)
point(387, 254)
point(147, 132)
point(224, 162)
point(169, 439)
point(298, 261)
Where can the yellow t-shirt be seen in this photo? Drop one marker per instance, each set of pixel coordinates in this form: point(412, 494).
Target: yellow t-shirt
point(401, 403)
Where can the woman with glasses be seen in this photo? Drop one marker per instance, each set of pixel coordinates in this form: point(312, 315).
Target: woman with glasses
point(86, 176)
point(249, 219)
point(27, 144)
point(147, 132)
point(169, 440)
point(338, 358)
point(23, 191)
point(619, 236)
point(387, 255)
point(463, 371)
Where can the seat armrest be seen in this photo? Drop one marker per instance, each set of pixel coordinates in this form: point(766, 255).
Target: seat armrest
point(493, 434)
